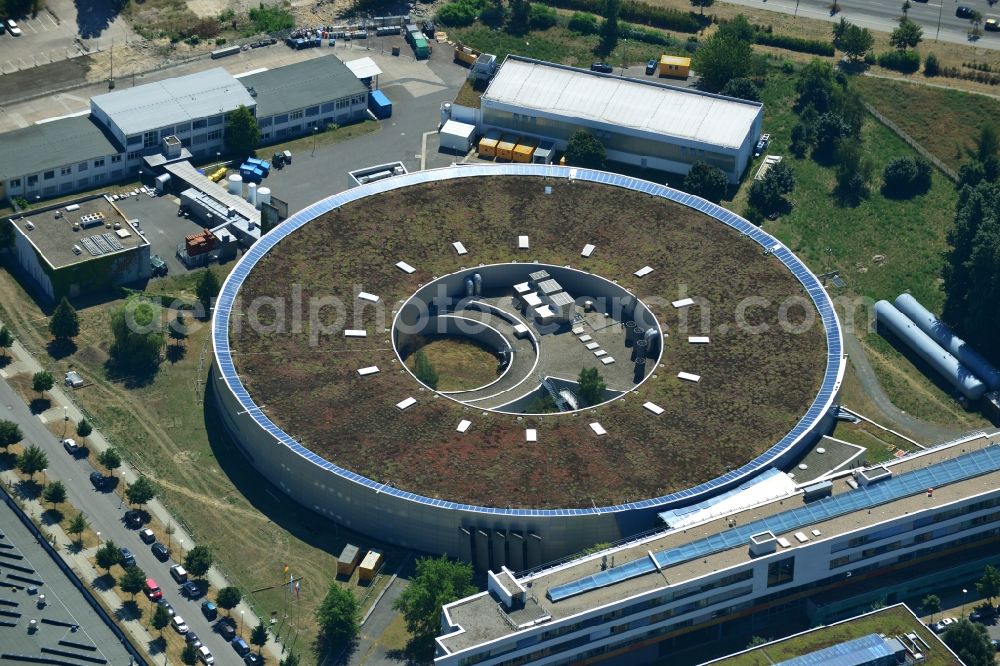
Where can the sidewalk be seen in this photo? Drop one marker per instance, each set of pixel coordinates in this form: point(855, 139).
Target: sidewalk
point(62, 405)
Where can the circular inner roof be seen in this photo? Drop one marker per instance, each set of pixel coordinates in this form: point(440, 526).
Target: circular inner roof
point(749, 404)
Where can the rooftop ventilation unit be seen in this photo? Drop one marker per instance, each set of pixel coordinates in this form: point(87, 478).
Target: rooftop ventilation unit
point(868, 477)
point(764, 543)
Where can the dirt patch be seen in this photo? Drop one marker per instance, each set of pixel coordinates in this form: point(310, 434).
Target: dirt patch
point(753, 389)
point(461, 365)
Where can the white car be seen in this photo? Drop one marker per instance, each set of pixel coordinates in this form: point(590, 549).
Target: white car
point(12, 27)
point(179, 624)
point(71, 446)
point(205, 655)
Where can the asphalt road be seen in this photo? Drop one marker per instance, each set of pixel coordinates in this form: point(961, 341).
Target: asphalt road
point(105, 517)
point(883, 15)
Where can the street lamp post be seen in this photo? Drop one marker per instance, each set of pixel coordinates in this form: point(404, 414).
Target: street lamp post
point(965, 592)
point(45, 477)
point(938, 33)
point(98, 539)
point(315, 136)
point(241, 624)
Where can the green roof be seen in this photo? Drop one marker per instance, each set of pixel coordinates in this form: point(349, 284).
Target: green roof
point(301, 85)
point(52, 145)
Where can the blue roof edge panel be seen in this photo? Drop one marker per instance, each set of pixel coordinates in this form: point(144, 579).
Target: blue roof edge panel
point(821, 404)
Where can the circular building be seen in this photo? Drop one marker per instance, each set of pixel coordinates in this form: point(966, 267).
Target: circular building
point(510, 363)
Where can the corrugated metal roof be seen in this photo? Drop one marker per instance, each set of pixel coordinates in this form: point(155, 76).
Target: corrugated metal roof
point(173, 101)
point(363, 68)
point(302, 85)
point(612, 100)
point(52, 145)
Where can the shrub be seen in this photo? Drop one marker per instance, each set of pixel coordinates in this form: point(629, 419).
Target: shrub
point(637, 12)
point(906, 176)
point(931, 65)
point(457, 14)
point(585, 24)
point(542, 17)
point(799, 44)
point(271, 19)
point(901, 61)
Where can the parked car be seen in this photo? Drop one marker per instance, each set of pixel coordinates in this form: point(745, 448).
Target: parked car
point(651, 66)
point(160, 551)
point(166, 605)
point(963, 12)
point(152, 590)
point(146, 535)
point(991, 24)
point(209, 610)
point(191, 590)
point(12, 28)
point(100, 481)
point(192, 639)
point(996, 644)
point(762, 144)
point(941, 625)
point(601, 67)
point(71, 446)
point(179, 624)
point(128, 559)
point(227, 627)
point(241, 646)
point(178, 573)
point(157, 266)
point(253, 659)
point(205, 655)
point(132, 519)
point(985, 614)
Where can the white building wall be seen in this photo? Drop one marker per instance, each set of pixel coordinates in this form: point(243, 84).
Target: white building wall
point(67, 178)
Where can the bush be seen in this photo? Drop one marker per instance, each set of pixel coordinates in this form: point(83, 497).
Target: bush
point(799, 44)
point(585, 24)
point(906, 176)
point(271, 19)
point(931, 65)
point(457, 14)
point(637, 12)
point(542, 17)
point(643, 35)
point(706, 181)
point(901, 61)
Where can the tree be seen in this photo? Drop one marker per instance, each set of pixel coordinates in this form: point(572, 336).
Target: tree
point(6, 234)
point(906, 9)
point(137, 339)
point(988, 586)
point(228, 598)
point(757, 641)
point(132, 580)
point(161, 618)
point(839, 31)
point(520, 15)
point(906, 176)
point(830, 129)
point(976, 20)
point(207, 290)
point(857, 43)
point(77, 526)
point(854, 169)
point(767, 195)
point(291, 660)
point(542, 17)
point(10, 433)
point(702, 4)
point(189, 655)
point(32, 460)
point(931, 604)
point(584, 150)
point(83, 428)
point(438, 581)
point(932, 66)
point(65, 323)
point(42, 381)
point(55, 493)
point(741, 88)
point(987, 143)
point(198, 561)
point(721, 58)
point(907, 35)
point(6, 340)
point(815, 86)
point(706, 181)
point(609, 28)
point(338, 616)
point(971, 642)
point(177, 329)
point(258, 635)
point(591, 386)
point(108, 555)
point(424, 369)
point(242, 132)
point(140, 492)
point(111, 459)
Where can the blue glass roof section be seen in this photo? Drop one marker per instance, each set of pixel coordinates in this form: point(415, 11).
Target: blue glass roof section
point(870, 649)
point(946, 472)
point(821, 404)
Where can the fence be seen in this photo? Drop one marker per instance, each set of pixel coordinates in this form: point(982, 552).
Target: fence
point(913, 143)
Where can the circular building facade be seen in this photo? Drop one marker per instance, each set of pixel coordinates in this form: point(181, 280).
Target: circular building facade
point(510, 363)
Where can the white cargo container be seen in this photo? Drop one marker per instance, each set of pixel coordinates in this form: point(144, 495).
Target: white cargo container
point(457, 136)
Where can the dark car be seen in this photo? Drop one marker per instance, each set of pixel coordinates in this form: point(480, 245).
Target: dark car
point(762, 144)
point(166, 605)
point(996, 644)
point(160, 551)
point(240, 646)
point(191, 590)
point(651, 66)
point(253, 659)
point(157, 266)
point(209, 610)
point(132, 519)
point(100, 481)
point(146, 535)
point(983, 614)
point(227, 627)
point(991, 24)
point(192, 639)
point(128, 559)
point(964, 12)
point(602, 67)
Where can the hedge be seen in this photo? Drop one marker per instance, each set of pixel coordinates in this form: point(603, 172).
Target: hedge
point(901, 61)
point(637, 12)
point(799, 44)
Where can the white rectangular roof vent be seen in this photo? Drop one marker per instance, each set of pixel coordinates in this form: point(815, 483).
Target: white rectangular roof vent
point(656, 409)
point(598, 428)
point(801, 537)
point(784, 543)
point(405, 267)
point(459, 247)
point(531, 435)
point(600, 352)
point(698, 339)
point(607, 360)
point(644, 271)
point(588, 250)
point(463, 425)
point(355, 333)
point(370, 370)
point(683, 303)
point(406, 404)
point(522, 242)
point(689, 377)
point(585, 338)
point(522, 287)
point(365, 296)
point(592, 346)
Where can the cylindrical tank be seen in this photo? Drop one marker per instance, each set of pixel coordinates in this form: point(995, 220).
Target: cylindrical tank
point(628, 307)
point(629, 333)
point(652, 338)
point(951, 343)
point(470, 288)
point(445, 112)
point(263, 196)
point(477, 281)
point(923, 346)
point(236, 184)
point(252, 193)
point(639, 350)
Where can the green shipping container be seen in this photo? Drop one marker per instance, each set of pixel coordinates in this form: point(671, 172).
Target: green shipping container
point(420, 48)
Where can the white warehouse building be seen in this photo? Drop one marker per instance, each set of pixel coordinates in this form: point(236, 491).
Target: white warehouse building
point(642, 123)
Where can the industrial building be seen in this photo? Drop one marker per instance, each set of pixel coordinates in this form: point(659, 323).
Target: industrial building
point(824, 552)
point(80, 247)
point(640, 122)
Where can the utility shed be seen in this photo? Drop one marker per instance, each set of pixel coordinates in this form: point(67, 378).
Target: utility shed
point(457, 136)
point(370, 566)
point(348, 560)
point(644, 123)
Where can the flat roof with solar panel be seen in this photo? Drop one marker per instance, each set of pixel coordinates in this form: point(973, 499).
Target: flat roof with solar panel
point(759, 398)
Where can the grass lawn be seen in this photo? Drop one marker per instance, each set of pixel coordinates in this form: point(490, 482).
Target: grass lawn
point(461, 364)
point(946, 122)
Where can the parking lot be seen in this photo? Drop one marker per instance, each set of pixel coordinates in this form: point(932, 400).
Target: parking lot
point(162, 227)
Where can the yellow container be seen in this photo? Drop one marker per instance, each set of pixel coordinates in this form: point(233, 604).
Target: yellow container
point(488, 144)
point(218, 174)
point(524, 151)
point(369, 566)
point(505, 147)
point(675, 66)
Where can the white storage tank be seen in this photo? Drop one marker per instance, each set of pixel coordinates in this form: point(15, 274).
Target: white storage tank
point(252, 193)
point(263, 196)
point(236, 184)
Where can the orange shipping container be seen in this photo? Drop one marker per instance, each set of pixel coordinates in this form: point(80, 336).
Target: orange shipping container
point(525, 150)
point(488, 144)
point(505, 147)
